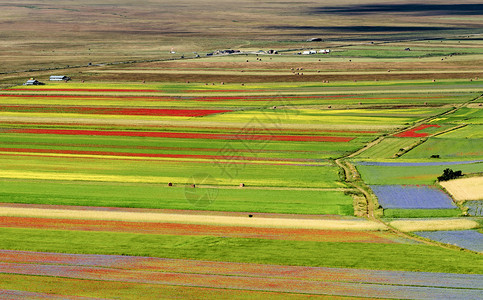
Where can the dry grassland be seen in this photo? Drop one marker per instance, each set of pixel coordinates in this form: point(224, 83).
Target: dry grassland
point(60, 33)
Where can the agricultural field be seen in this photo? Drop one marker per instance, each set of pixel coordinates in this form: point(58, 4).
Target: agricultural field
point(168, 169)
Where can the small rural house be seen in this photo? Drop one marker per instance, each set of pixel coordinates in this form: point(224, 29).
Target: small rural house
point(59, 78)
point(32, 81)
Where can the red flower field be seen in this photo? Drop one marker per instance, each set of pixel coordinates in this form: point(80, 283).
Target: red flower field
point(413, 132)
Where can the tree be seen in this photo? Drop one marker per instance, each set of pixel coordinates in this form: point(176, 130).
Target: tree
point(449, 174)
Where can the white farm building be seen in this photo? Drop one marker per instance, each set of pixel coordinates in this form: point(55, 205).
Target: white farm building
point(32, 81)
point(59, 78)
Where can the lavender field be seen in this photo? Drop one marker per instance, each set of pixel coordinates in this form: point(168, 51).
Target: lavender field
point(412, 197)
point(469, 239)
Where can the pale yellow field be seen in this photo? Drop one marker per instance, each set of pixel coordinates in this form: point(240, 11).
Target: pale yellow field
point(433, 225)
point(356, 225)
point(465, 188)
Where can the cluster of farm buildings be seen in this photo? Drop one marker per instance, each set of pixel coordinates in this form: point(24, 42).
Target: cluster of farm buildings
point(33, 81)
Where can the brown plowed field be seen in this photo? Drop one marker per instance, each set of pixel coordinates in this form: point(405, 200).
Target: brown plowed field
point(271, 78)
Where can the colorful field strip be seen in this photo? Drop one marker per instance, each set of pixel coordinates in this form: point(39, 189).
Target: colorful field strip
point(79, 90)
point(209, 230)
point(14, 294)
point(469, 239)
point(413, 132)
point(152, 155)
point(412, 197)
point(181, 135)
point(200, 218)
point(242, 276)
point(112, 110)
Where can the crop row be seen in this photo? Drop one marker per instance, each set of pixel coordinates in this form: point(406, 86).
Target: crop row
point(339, 236)
point(111, 110)
point(185, 135)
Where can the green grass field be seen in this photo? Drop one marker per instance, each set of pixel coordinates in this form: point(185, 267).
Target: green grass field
point(176, 197)
point(422, 213)
point(410, 174)
point(344, 255)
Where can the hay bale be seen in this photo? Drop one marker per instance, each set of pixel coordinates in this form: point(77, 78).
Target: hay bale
point(242, 184)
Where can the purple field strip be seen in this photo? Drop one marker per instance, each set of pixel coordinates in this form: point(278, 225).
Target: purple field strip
point(475, 207)
point(416, 164)
point(412, 197)
point(468, 239)
point(356, 289)
point(140, 264)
